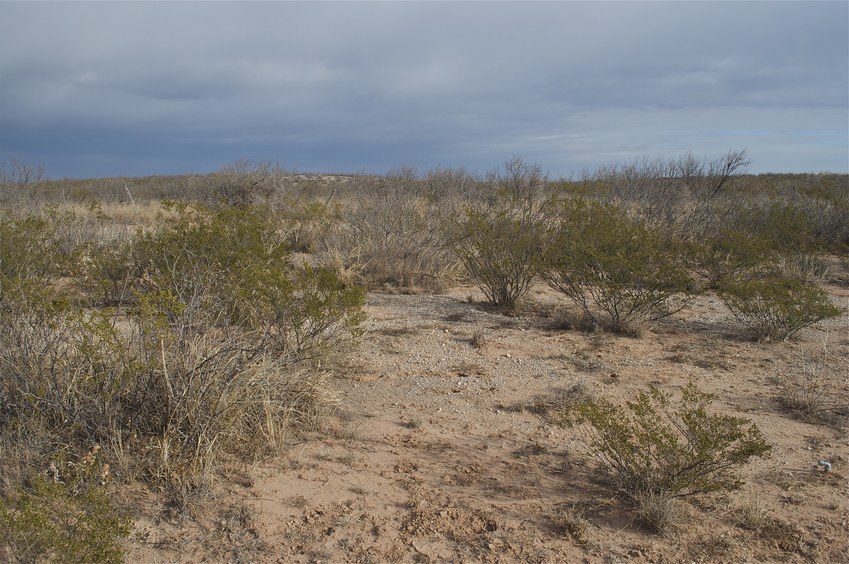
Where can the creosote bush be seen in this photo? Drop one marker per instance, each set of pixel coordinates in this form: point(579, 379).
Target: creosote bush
point(499, 251)
point(66, 517)
point(27, 250)
point(774, 306)
point(655, 451)
point(730, 255)
point(605, 261)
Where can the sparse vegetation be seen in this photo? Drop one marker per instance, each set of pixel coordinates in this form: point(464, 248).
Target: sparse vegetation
point(190, 325)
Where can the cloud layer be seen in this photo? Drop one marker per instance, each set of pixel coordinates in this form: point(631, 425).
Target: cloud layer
point(146, 88)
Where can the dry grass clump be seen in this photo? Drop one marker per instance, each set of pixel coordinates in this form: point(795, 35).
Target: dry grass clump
point(752, 515)
point(656, 510)
point(571, 521)
point(808, 392)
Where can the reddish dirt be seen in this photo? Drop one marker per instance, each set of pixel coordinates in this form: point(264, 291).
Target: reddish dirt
point(443, 448)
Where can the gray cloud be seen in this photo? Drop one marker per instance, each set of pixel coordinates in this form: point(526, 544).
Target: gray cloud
point(143, 88)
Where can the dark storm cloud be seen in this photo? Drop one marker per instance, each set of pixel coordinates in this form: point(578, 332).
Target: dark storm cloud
point(143, 88)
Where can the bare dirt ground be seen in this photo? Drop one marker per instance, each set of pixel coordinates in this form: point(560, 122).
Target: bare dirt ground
point(443, 449)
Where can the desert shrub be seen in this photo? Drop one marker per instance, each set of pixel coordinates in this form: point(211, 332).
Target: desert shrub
point(392, 236)
point(830, 219)
point(729, 255)
point(107, 273)
point(308, 223)
point(232, 267)
point(66, 516)
point(20, 184)
point(179, 401)
point(242, 183)
point(603, 260)
point(214, 360)
point(785, 226)
point(775, 306)
point(64, 369)
point(675, 195)
point(751, 515)
point(807, 267)
point(655, 451)
point(808, 392)
point(60, 523)
point(27, 250)
point(498, 248)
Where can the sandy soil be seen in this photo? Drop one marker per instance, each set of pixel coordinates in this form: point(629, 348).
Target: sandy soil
point(443, 448)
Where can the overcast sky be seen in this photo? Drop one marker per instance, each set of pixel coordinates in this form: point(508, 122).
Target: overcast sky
point(102, 89)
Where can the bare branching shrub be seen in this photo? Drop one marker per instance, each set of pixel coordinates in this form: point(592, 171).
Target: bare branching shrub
point(774, 307)
point(520, 181)
point(655, 451)
point(672, 194)
point(18, 184)
point(603, 260)
point(393, 235)
point(243, 183)
point(829, 221)
point(452, 187)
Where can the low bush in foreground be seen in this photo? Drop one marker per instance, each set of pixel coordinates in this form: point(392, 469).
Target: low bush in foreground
point(66, 517)
point(656, 452)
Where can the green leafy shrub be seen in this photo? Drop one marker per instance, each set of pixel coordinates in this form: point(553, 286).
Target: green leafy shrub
point(27, 250)
point(730, 255)
point(655, 452)
point(603, 260)
point(232, 268)
point(68, 518)
point(775, 307)
point(788, 228)
point(499, 250)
